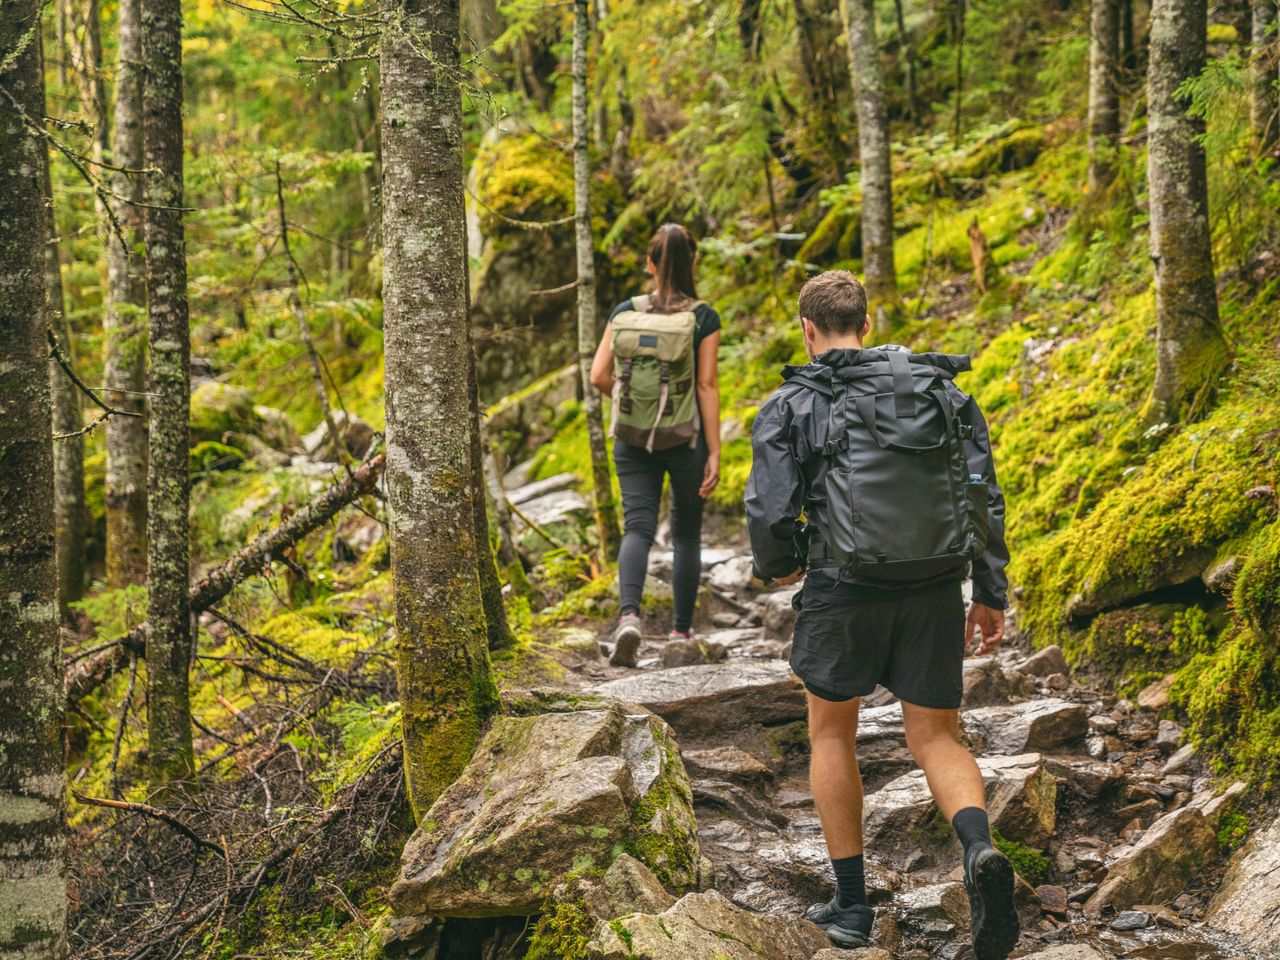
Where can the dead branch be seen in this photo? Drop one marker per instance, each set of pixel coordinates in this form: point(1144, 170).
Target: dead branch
point(155, 813)
point(107, 411)
point(91, 672)
point(295, 304)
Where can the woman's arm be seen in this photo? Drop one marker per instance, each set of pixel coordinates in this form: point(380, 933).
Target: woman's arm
point(602, 365)
point(709, 408)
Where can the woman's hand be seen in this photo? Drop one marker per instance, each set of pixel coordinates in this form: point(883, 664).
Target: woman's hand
point(710, 475)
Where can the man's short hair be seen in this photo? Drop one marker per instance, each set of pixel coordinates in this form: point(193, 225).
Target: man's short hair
point(835, 303)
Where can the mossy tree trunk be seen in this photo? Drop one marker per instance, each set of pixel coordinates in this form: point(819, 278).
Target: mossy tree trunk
point(1264, 105)
point(70, 513)
point(602, 483)
point(33, 891)
point(824, 74)
point(1104, 92)
point(169, 638)
point(125, 367)
point(446, 686)
point(877, 174)
point(1190, 348)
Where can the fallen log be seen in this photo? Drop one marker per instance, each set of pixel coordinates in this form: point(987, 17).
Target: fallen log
point(87, 674)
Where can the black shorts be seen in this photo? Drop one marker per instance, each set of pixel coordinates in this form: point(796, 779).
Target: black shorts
point(909, 641)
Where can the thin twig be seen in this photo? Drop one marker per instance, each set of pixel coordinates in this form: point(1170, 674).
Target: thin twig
point(107, 410)
point(155, 813)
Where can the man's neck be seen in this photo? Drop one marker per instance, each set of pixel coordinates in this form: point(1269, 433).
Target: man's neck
point(835, 343)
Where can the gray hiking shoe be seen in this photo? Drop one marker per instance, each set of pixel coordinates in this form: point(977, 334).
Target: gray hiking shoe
point(626, 641)
point(846, 926)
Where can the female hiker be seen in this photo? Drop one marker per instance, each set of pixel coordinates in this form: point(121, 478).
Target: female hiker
point(657, 359)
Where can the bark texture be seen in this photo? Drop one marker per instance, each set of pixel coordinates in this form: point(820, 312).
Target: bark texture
point(873, 151)
point(125, 367)
point(446, 687)
point(602, 482)
point(33, 891)
point(70, 513)
point(1104, 92)
point(1264, 105)
point(168, 483)
point(1190, 349)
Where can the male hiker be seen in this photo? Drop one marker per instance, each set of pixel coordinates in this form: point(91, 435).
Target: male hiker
point(873, 479)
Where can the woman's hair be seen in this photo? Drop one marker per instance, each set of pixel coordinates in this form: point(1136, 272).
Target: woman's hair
point(672, 251)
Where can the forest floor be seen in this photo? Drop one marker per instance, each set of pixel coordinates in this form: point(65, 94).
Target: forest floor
point(1071, 770)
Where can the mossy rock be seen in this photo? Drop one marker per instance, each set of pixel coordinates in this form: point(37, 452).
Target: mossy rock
point(210, 455)
point(220, 408)
point(546, 797)
point(1257, 587)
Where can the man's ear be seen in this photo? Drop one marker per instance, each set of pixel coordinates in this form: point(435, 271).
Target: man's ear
point(866, 329)
point(807, 329)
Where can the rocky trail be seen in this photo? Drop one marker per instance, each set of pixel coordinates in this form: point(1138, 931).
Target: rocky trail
point(1115, 825)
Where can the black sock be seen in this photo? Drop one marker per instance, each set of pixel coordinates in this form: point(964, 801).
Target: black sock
point(851, 881)
point(971, 826)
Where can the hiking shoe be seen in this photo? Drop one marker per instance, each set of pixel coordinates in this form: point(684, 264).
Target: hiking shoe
point(626, 641)
point(846, 926)
point(988, 879)
point(680, 635)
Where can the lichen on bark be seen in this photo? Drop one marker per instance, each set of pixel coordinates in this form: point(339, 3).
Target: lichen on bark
point(33, 893)
point(1190, 347)
point(170, 758)
point(446, 687)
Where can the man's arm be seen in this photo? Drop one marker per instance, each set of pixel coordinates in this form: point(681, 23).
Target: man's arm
point(990, 584)
point(775, 495)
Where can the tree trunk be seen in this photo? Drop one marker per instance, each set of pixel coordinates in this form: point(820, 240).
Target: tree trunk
point(446, 687)
point(125, 367)
point(33, 898)
point(908, 52)
point(168, 485)
point(495, 610)
point(873, 152)
point(959, 9)
point(1190, 349)
point(816, 48)
point(602, 481)
point(70, 514)
point(1104, 93)
point(1264, 106)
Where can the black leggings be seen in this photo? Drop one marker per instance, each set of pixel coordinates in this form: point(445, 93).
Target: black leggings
point(640, 475)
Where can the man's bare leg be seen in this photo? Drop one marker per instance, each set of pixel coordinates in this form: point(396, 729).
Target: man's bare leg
point(833, 773)
point(837, 792)
point(933, 736)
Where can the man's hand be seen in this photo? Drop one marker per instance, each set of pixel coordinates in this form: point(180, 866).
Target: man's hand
point(710, 475)
point(990, 624)
point(790, 578)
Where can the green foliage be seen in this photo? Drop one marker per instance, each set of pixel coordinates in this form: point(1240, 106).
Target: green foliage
point(562, 933)
point(1030, 864)
point(1233, 828)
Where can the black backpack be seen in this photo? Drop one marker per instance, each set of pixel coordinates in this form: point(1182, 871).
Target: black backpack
point(901, 503)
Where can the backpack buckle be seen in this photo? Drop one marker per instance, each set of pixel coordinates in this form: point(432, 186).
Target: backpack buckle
point(832, 447)
point(964, 431)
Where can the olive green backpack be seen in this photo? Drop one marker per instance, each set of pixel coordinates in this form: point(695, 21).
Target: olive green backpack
point(654, 400)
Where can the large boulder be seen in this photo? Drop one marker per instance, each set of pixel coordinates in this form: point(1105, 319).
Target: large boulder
point(714, 697)
point(218, 409)
point(901, 816)
point(705, 925)
point(1248, 902)
point(1035, 725)
point(544, 796)
point(1156, 869)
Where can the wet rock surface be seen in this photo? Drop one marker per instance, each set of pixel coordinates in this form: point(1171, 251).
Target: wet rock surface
point(1101, 807)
